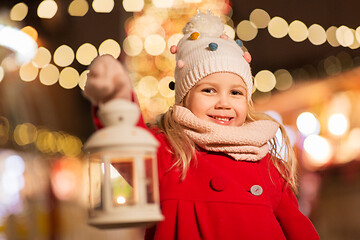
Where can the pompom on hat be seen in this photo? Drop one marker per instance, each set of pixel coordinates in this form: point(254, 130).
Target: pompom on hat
point(204, 50)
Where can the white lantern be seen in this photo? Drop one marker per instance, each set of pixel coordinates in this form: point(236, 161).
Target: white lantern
point(123, 189)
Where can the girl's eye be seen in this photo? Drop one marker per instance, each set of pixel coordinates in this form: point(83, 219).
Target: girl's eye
point(208, 90)
point(236, 92)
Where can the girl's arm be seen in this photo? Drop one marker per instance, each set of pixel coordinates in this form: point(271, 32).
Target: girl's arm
point(295, 225)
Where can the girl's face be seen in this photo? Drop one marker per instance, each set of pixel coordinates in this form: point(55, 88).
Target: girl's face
point(219, 98)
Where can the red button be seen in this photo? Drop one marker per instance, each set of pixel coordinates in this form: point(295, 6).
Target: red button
point(217, 184)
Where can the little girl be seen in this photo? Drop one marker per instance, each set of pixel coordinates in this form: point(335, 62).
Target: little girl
point(219, 179)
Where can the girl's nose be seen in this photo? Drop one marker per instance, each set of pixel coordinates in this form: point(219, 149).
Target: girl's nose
point(222, 102)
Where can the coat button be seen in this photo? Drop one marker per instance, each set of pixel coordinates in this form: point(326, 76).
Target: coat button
point(256, 190)
point(217, 184)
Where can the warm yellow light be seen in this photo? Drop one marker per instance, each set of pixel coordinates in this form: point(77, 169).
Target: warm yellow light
point(308, 124)
point(25, 134)
point(86, 53)
point(69, 78)
point(298, 31)
point(2, 73)
point(42, 57)
point(28, 72)
point(265, 81)
point(164, 88)
point(192, 1)
point(78, 8)
point(332, 65)
point(317, 34)
point(148, 86)
point(278, 27)
point(132, 45)
point(63, 56)
point(284, 80)
point(110, 46)
point(103, 6)
point(338, 124)
point(357, 35)
point(154, 44)
point(19, 12)
point(344, 36)
point(31, 32)
point(246, 30)
point(331, 36)
point(355, 44)
point(163, 3)
point(157, 105)
point(133, 5)
point(47, 9)
point(121, 200)
point(49, 75)
point(82, 79)
point(229, 31)
point(318, 150)
point(260, 18)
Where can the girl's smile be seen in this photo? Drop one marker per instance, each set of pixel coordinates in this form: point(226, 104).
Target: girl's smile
point(219, 98)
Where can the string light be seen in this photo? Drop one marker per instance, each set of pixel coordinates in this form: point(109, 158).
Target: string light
point(47, 9)
point(78, 8)
point(19, 11)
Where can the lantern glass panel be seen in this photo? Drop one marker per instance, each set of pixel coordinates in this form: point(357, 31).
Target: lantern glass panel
point(96, 180)
point(149, 176)
point(123, 181)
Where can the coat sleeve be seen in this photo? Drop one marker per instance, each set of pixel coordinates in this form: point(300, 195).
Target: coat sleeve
point(295, 225)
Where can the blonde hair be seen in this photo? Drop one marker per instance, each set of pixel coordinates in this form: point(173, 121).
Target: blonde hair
point(184, 148)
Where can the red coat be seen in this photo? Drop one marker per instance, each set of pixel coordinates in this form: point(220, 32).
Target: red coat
point(220, 198)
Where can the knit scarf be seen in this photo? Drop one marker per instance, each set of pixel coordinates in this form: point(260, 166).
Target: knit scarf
point(248, 142)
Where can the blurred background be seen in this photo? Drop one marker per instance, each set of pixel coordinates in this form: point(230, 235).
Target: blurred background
point(305, 62)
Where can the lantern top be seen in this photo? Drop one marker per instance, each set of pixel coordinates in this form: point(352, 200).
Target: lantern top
point(120, 132)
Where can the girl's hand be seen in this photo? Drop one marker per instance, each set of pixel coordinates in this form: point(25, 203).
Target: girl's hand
point(107, 80)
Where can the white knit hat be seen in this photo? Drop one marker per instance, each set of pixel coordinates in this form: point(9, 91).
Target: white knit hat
point(204, 50)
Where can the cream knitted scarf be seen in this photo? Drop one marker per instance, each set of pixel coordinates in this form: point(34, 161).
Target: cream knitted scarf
point(247, 142)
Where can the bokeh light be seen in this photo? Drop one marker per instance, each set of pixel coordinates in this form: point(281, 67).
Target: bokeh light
point(78, 8)
point(47, 9)
point(69, 78)
point(148, 86)
point(298, 31)
point(83, 78)
point(19, 11)
point(260, 18)
point(133, 5)
point(229, 31)
point(132, 45)
point(31, 32)
point(164, 89)
point(265, 81)
point(174, 39)
point(318, 149)
point(64, 56)
point(86, 54)
point(317, 34)
point(284, 80)
point(338, 124)
point(4, 130)
point(344, 36)
point(110, 46)
point(308, 124)
point(28, 72)
point(246, 30)
point(154, 44)
point(278, 27)
point(103, 6)
point(49, 75)
point(25, 134)
point(331, 36)
point(42, 57)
